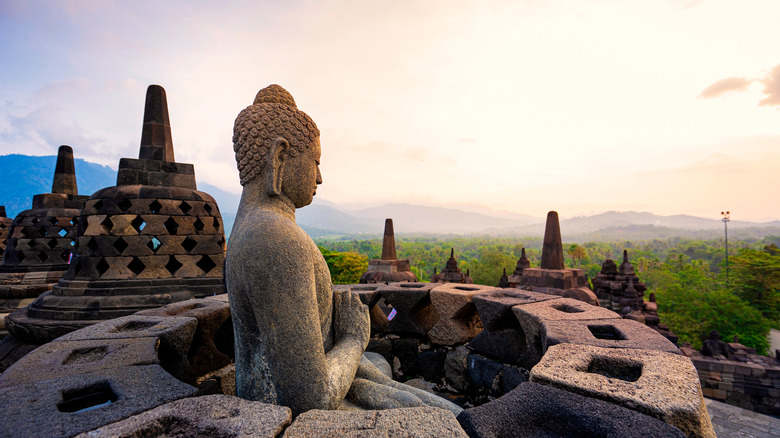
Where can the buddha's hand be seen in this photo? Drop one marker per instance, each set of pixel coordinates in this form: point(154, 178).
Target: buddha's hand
point(351, 317)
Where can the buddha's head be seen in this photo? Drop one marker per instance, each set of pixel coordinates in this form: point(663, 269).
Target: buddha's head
point(278, 147)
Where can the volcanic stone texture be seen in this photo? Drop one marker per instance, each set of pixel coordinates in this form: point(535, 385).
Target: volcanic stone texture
point(458, 321)
point(659, 384)
point(61, 407)
point(211, 415)
point(416, 422)
point(533, 410)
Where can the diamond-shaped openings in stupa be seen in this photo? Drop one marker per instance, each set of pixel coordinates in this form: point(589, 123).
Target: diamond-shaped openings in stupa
point(63, 232)
point(207, 208)
point(173, 265)
point(107, 224)
point(136, 266)
point(189, 244)
point(171, 225)
point(206, 264)
point(184, 207)
point(124, 205)
point(102, 266)
point(120, 245)
point(155, 206)
point(52, 243)
point(199, 225)
point(154, 244)
point(138, 223)
point(42, 256)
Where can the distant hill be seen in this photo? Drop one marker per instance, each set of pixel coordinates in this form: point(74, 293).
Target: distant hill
point(26, 176)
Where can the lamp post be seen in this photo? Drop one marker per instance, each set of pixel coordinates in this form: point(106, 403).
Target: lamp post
point(726, 217)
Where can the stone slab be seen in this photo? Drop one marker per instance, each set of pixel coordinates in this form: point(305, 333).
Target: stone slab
point(408, 422)
point(67, 358)
point(610, 333)
point(658, 384)
point(458, 321)
point(533, 410)
point(211, 415)
point(61, 407)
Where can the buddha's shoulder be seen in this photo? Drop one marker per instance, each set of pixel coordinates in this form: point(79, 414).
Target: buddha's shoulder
point(269, 229)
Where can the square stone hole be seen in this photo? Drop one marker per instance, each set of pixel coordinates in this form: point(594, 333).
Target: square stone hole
point(615, 368)
point(413, 285)
point(565, 308)
point(606, 331)
point(133, 326)
point(466, 288)
point(86, 355)
point(90, 397)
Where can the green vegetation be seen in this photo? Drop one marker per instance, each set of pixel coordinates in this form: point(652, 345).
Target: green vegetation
point(688, 276)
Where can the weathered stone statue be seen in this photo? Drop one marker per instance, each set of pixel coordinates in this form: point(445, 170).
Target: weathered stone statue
point(298, 343)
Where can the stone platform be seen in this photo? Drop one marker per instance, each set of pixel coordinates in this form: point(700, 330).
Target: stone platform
point(121, 376)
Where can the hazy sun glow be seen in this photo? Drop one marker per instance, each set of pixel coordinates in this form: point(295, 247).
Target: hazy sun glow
point(663, 106)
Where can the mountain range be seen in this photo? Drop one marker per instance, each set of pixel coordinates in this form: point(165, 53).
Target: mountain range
point(26, 176)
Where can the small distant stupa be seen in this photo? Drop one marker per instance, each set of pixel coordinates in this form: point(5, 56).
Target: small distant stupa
point(553, 277)
point(451, 273)
point(389, 268)
point(40, 240)
point(620, 290)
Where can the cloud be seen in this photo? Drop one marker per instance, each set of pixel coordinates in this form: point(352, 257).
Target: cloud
point(727, 85)
point(772, 87)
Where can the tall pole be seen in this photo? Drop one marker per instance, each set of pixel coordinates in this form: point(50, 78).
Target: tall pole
point(726, 217)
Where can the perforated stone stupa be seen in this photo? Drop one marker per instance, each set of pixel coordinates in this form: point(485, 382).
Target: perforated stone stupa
point(40, 240)
point(389, 267)
point(151, 240)
point(5, 225)
point(553, 277)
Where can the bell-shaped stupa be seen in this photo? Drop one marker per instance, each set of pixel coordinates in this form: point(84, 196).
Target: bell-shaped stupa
point(451, 273)
point(39, 241)
point(151, 240)
point(5, 225)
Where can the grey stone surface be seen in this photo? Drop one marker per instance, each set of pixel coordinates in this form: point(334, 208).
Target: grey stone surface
point(212, 345)
point(609, 333)
point(408, 422)
point(67, 358)
point(415, 315)
point(55, 407)
point(533, 410)
point(457, 321)
point(456, 369)
point(211, 415)
point(504, 338)
point(658, 384)
point(732, 421)
point(380, 363)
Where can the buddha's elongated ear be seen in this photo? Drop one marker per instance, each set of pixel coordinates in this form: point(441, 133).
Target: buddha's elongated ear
point(277, 159)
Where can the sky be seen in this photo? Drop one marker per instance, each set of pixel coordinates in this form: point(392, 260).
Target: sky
point(670, 107)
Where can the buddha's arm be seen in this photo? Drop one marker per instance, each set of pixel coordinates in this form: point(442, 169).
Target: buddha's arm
point(352, 330)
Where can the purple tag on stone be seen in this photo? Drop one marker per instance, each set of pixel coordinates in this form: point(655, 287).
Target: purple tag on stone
point(391, 315)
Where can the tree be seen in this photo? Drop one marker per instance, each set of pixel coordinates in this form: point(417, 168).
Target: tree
point(577, 253)
point(755, 277)
point(345, 267)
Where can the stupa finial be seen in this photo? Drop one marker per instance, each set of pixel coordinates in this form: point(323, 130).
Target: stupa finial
point(65, 173)
point(552, 251)
point(388, 242)
point(156, 139)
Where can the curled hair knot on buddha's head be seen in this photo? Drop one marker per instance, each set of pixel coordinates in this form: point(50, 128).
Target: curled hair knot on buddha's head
point(272, 115)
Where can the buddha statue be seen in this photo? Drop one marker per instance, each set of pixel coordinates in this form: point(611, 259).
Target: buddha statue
point(298, 342)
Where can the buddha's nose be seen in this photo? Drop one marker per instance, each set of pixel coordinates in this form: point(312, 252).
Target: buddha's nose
point(319, 176)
